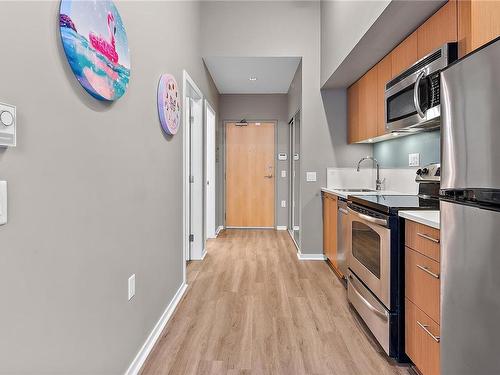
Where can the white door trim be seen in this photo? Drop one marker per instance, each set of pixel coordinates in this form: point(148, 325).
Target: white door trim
point(210, 150)
point(187, 84)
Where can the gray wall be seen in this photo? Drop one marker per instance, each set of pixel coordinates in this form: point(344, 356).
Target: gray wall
point(343, 24)
point(394, 153)
point(257, 107)
point(94, 193)
point(343, 154)
point(294, 94)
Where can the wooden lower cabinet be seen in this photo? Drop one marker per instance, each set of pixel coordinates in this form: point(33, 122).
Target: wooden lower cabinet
point(422, 296)
point(330, 230)
point(421, 340)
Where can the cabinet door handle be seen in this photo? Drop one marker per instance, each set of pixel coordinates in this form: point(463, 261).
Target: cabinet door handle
point(427, 237)
point(425, 327)
point(425, 269)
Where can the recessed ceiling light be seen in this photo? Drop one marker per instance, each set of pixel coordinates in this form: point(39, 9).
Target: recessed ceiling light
point(395, 134)
point(252, 79)
point(370, 140)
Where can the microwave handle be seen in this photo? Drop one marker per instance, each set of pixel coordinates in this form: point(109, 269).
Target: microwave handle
point(416, 99)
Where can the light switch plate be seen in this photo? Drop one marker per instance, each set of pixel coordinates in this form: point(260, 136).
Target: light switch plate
point(131, 287)
point(283, 173)
point(3, 202)
point(414, 160)
point(311, 176)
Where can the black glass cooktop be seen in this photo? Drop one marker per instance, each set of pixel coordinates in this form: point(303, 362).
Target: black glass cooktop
point(391, 204)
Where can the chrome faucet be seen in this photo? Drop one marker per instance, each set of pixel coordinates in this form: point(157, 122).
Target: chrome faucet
point(378, 181)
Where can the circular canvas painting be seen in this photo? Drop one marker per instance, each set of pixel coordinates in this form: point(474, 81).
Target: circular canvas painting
point(169, 107)
point(95, 43)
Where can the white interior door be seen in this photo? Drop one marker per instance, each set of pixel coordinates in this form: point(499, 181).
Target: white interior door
point(210, 171)
point(196, 180)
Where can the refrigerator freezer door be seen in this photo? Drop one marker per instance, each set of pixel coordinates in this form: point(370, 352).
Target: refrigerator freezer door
point(470, 109)
point(470, 290)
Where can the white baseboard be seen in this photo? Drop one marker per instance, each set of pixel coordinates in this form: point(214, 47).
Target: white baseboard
point(142, 355)
point(281, 227)
point(218, 230)
point(310, 256)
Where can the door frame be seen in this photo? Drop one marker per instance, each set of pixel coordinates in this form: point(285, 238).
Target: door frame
point(275, 124)
point(291, 191)
point(187, 84)
point(210, 232)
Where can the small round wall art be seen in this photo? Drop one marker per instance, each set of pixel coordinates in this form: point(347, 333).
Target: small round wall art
point(169, 105)
point(96, 46)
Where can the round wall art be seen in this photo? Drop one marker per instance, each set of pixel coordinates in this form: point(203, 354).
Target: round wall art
point(96, 46)
point(169, 107)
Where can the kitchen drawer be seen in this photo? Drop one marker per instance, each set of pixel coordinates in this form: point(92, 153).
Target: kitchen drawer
point(421, 340)
point(422, 239)
point(422, 284)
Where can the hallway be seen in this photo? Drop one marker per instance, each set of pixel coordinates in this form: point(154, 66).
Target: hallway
point(253, 308)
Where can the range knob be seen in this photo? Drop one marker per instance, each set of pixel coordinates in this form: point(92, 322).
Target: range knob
point(425, 171)
point(419, 172)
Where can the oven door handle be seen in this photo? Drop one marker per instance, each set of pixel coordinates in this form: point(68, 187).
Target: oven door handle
point(370, 219)
point(379, 313)
point(416, 99)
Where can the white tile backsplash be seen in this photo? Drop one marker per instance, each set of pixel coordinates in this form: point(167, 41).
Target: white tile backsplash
point(396, 179)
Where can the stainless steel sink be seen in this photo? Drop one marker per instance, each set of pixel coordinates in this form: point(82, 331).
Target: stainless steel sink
point(357, 190)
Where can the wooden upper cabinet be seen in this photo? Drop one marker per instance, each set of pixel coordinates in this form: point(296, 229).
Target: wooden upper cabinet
point(438, 30)
point(368, 105)
point(353, 113)
point(478, 24)
point(384, 75)
point(404, 55)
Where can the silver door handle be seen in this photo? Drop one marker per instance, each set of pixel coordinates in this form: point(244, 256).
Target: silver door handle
point(367, 303)
point(370, 219)
point(425, 327)
point(416, 99)
point(268, 176)
point(427, 237)
point(425, 269)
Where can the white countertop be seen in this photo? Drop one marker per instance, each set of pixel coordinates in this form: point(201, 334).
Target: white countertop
point(430, 218)
point(344, 194)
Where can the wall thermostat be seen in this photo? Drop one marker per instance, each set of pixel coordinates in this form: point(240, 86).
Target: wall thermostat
point(7, 125)
point(282, 156)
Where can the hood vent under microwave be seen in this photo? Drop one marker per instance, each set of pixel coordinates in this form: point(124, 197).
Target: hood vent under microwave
point(415, 68)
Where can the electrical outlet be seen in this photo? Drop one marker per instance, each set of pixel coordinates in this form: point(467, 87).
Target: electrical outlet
point(283, 173)
point(283, 203)
point(131, 287)
point(311, 176)
point(414, 160)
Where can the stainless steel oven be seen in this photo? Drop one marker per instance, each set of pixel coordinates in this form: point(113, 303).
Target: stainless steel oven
point(369, 251)
point(412, 99)
point(369, 275)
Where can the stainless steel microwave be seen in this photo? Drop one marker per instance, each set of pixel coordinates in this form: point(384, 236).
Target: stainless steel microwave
point(412, 99)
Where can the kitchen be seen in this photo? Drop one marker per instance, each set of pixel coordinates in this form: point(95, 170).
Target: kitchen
point(328, 205)
point(400, 239)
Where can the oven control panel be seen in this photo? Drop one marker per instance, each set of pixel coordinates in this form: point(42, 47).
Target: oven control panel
point(429, 173)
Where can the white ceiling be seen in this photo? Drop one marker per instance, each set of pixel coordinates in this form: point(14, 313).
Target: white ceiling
point(231, 74)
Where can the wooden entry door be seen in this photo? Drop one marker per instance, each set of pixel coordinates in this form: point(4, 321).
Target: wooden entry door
point(250, 175)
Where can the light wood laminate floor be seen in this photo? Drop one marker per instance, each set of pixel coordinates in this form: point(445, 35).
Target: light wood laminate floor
point(253, 308)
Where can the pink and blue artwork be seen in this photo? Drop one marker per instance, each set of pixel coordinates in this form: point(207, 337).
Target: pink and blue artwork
point(169, 107)
point(96, 46)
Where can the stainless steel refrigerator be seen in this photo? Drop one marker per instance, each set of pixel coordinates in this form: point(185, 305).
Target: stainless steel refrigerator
point(470, 214)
